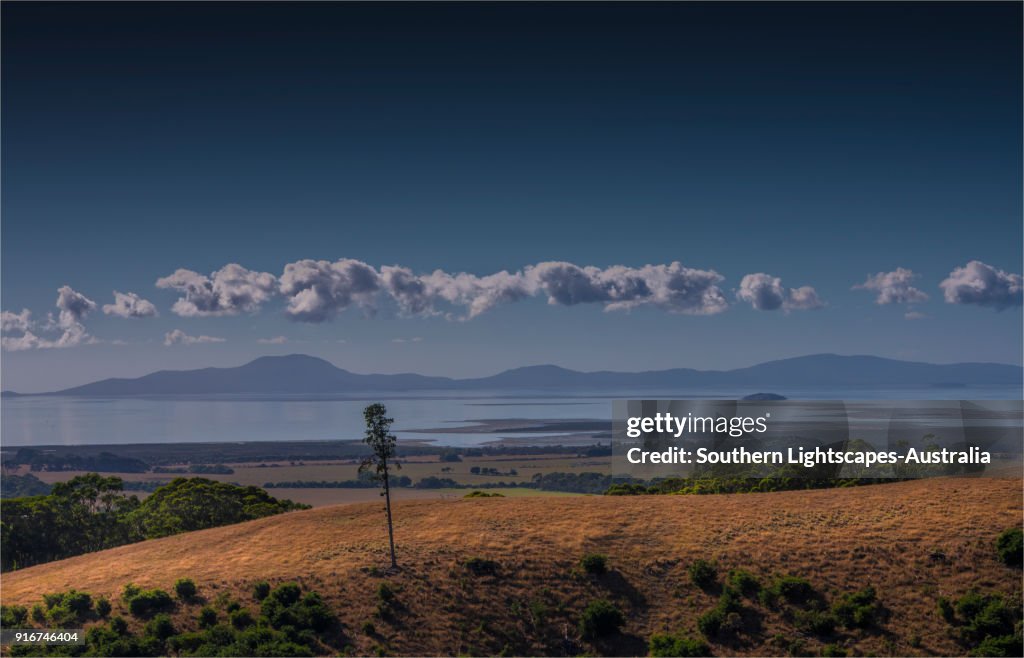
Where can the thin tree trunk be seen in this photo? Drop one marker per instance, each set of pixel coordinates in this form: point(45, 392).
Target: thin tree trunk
point(391, 529)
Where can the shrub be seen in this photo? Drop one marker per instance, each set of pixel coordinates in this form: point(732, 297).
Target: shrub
point(207, 617)
point(368, 628)
point(160, 627)
point(594, 563)
point(13, 616)
point(65, 609)
point(703, 574)
point(103, 607)
point(38, 613)
point(150, 601)
point(1010, 546)
point(385, 593)
point(946, 609)
point(232, 606)
point(744, 581)
point(479, 566)
point(241, 619)
point(833, 651)
point(118, 625)
point(260, 590)
point(130, 591)
point(710, 623)
point(185, 588)
point(815, 621)
point(791, 588)
point(857, 609)
point(600, 618)
point(677, 645)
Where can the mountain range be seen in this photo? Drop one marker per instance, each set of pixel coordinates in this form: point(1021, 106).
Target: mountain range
point(303, 374)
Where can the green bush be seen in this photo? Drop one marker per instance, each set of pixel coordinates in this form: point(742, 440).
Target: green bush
point(385, 593)
point(13, 616)
point(260, 590)
point(703, 574)
point(1010, 546)
point(368, 628)
point(946, 609)
point(160, 627)
point(66, 609)
point(594, 563)
point(38, 613)
point(744, 581)
point(150, 601)
point(791, 588)
point(103, 606)
point(677, 645)
point(988, 622)
point(185, 588)
point(207, 617)
point(857, 609)
point(833, 651)
point(710, 623)
point(600, 618)
point(242, 619)
point(129, 592)
point(815, 621)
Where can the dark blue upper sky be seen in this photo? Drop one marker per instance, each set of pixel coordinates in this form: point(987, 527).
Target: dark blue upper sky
point(818, 143)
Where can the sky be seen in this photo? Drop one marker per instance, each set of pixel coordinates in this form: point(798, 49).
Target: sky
point(456, 189)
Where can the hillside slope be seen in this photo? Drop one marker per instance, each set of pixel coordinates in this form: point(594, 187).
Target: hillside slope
point(841, 540)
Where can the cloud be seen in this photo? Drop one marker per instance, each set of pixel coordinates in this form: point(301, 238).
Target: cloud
point(11, 322)
point(414, 339)
point(894, 287)
point(765, 292)
point(72, 306)
point(230, 290)
point(276, 340)
point(130, 305)
point(983, 285)
point(317, 290)
point(179, 337)
point(670, 287)
point(914, 315)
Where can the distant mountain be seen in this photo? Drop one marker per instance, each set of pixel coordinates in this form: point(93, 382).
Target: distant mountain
point(302, 374)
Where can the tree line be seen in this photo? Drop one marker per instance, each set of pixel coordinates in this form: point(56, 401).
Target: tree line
point(91, 512)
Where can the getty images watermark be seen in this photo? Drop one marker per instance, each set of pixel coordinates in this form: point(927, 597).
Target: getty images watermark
point(819, 439)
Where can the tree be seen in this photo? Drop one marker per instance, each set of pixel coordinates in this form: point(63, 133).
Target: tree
point(382, 449)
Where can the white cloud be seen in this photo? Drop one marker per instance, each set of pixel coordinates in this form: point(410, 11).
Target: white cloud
point(179, 337)
point(317, 290)
point(914, 315)
point(130, 305)
point(894, 287)
point(765, 292)
point(11, 322)
point(414, 339)
point(73, 307)
point(983, 285)
point(670, 287)
point(230, 290)
point(276, 340)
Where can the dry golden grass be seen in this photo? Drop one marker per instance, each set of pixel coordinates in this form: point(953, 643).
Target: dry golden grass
point(839, 539)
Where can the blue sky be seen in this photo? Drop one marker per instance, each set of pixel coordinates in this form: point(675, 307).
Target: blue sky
point(815, 144)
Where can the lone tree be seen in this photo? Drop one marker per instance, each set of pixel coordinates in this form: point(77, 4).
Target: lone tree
point(382, 447)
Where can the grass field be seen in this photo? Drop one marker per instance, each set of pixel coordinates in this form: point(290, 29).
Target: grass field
point(841, 540)
point(416, 468)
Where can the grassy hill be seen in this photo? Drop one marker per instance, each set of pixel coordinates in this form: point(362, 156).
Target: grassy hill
point(914, 542)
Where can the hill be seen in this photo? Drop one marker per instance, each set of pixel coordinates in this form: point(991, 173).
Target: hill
point(302, 374)
point(914, 542)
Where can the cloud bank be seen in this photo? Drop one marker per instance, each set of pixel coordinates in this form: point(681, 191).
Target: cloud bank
point(130, 305)
point(765, 292)
point(229, 291)
point(894, 287)
point(982, 285)
point(72, 309)
point(179, 337)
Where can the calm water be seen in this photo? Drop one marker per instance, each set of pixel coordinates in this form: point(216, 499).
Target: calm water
point(71, 421)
